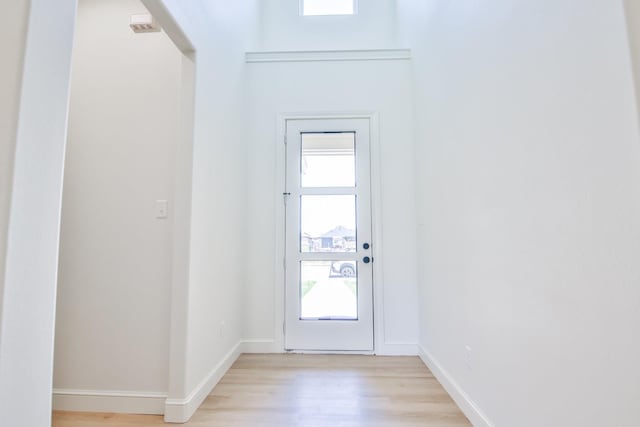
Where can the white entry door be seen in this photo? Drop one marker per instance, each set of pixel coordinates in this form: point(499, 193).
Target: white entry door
point(329, 281)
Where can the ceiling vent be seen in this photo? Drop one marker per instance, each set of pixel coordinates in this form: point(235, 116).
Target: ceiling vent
point(144, 23)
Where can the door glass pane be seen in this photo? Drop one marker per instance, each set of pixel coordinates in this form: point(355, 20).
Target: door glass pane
point(328, 160)
point(328, 290)
point(328, 223)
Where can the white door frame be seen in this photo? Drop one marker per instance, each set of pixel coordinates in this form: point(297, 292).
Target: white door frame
point(376, 226)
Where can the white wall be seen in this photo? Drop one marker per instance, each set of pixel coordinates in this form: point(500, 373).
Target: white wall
point(112, 331)
point(529, 207)
point(14, 23)
point(213, 316)
point(382, 87)
point(29, 285)
point(172, 338)
point(282, 27)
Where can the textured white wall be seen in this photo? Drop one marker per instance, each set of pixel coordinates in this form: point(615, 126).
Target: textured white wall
point(112, 330)
point(29, 288)
point(529, 206)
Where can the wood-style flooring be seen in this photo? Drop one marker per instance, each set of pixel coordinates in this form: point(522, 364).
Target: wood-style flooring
point(311, 391)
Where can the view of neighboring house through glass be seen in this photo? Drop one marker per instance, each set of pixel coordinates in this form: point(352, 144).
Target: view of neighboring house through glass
point(328, 289)
point(328, 222)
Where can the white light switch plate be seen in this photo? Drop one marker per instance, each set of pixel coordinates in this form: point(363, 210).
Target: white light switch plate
point(162, 209)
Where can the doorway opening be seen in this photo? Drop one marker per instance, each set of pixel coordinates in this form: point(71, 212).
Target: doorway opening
point(126, 208)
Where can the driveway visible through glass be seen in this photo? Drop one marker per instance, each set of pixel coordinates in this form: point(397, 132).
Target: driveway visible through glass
point(328, 290)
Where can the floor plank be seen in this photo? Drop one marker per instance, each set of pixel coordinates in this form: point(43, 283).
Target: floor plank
point(311, 391)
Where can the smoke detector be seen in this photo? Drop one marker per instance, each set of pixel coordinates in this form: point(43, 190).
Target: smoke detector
point(144, 23)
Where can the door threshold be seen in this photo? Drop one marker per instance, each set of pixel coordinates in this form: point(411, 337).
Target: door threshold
point(338, 352)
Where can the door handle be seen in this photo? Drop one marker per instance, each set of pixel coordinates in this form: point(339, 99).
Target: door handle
point(367, 260)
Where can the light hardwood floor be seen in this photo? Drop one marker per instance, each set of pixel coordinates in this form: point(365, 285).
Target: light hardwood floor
point(311, 391)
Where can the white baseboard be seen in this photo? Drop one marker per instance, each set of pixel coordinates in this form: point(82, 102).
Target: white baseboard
point(260, 346)
point(181, 410)
point(397, 349)
point(147, 403)
point(466, 404)
point(155, 403)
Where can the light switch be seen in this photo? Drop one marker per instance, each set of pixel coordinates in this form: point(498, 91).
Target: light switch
point(162, 209)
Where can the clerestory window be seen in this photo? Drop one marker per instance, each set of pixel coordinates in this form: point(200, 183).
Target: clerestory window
point(327, 7)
